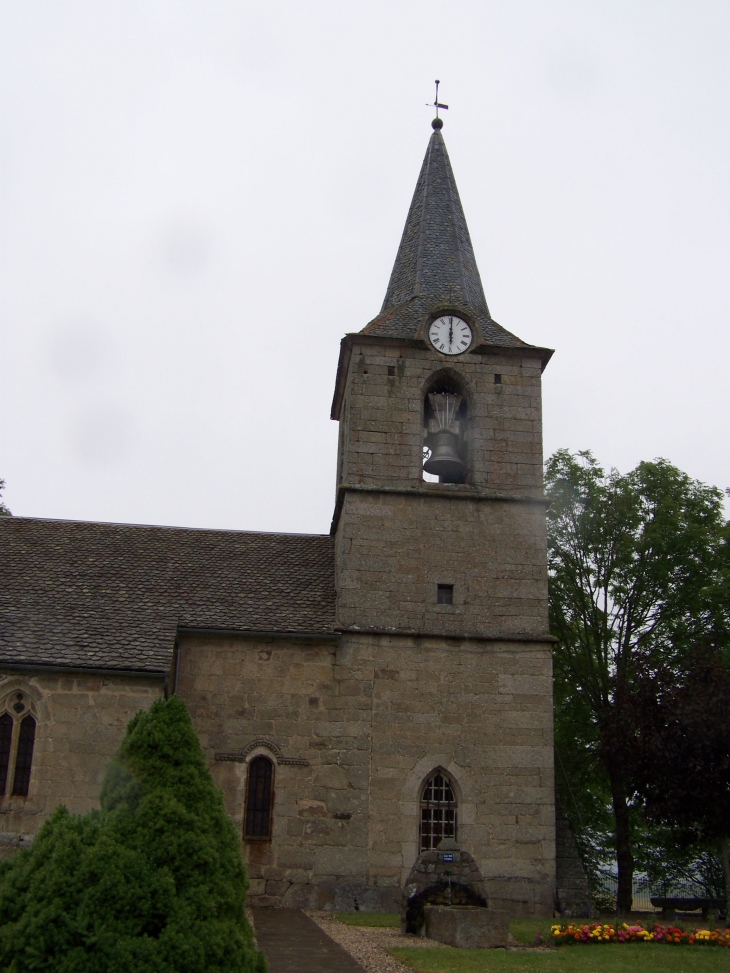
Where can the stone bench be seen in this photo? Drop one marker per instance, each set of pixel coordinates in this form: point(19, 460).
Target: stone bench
point(670, 905)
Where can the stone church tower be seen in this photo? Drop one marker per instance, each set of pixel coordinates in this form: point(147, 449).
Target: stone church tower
point(360, 696)
point(441, 586)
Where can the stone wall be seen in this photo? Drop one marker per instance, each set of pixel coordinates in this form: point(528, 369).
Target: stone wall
point(354, 729)
point(81, 720)
point(382, 416)
point(392, 550)
point(572, 892)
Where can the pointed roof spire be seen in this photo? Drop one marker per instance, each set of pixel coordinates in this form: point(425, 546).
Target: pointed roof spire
point(435, 267)
point(435, 257)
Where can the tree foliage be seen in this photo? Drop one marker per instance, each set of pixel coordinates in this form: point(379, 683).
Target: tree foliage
point(680, 749)
point(635, 573)
point(4, 512)
point(153, 882)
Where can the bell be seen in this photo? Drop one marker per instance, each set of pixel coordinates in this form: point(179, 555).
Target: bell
point(443, 438)
point(444, 460)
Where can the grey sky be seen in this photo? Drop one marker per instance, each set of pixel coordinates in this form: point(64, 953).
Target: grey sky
point(201, 198)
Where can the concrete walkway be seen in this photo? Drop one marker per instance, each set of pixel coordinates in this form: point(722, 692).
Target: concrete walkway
point(292, 943)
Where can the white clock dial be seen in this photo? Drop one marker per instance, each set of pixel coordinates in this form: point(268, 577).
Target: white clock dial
point(450, 335)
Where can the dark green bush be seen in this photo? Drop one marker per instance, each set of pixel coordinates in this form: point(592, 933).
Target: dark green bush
point(152, 883)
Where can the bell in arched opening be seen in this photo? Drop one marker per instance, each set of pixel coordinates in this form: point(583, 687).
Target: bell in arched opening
point(443, 438)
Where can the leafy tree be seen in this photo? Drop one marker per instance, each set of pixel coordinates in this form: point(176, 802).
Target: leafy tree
point(154, 882)
point(4, 512)
point(634, 566)
point(680, 750)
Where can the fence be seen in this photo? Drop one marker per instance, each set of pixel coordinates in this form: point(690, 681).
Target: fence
point(643, 890)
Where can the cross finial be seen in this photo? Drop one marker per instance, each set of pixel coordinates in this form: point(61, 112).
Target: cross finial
point(437, 123)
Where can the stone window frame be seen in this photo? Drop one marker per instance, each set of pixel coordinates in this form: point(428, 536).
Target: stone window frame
point(424, 805)
point(270, 755)
point(19, 705)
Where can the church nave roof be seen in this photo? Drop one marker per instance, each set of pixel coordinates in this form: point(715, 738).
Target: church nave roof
point(112, 596)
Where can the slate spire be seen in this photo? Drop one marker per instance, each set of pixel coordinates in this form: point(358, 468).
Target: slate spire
point(435, 266)
point(435, 257)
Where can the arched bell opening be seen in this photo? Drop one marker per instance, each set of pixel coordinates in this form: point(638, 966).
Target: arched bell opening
point(445, 413)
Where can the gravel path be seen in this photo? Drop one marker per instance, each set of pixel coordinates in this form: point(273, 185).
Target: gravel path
point(368, 944)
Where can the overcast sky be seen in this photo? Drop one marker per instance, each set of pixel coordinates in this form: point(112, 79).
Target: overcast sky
point(200, 197)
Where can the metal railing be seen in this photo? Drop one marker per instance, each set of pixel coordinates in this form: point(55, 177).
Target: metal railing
point(643, 890)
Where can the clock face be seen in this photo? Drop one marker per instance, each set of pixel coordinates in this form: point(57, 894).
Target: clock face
point(450, 335)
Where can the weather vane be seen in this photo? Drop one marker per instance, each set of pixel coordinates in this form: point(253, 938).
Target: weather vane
point(437, 122)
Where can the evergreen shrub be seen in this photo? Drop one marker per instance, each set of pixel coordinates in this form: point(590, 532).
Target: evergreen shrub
point(154, 882)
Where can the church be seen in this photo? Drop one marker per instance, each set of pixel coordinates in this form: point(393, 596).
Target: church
point(360, 696)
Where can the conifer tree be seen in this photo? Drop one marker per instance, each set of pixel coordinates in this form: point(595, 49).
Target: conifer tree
point(153, 882)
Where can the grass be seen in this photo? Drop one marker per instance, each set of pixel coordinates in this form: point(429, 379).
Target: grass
point(525, 930)
point(647, 958)
point(644, 957)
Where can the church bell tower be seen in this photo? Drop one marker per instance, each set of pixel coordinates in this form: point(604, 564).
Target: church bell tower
point(440, 566)
point(440, 449)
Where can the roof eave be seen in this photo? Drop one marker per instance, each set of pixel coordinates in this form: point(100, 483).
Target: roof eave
point(343, 365)
point(361, 338)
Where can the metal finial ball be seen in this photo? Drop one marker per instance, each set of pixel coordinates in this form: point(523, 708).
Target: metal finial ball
point(437, 124)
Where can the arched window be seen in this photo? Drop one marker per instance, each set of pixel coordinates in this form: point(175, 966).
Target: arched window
point(444, 429)
point(438, 811)
point(17, 738)
point(259, 798)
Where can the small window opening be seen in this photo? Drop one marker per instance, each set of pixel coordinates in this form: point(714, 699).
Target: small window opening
point(438, 812)
point(497, 379)
point(391, 371)
point(259, 798)
point(444, 594)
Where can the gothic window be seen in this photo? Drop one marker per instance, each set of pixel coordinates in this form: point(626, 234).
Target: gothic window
point(438, 811)
point(259, 798)
point(17, 738)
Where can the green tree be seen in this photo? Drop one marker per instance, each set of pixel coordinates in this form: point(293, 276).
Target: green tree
point(679, 753)
point(4, 512)
point(154, 882)
point(635, 579)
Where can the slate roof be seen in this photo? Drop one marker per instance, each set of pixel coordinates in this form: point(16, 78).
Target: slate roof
point(111, 596)
point(435, 264)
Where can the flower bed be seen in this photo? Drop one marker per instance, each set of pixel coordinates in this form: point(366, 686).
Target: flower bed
point(598, 933)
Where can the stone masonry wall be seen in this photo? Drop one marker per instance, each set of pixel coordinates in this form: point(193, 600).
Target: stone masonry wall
point(367, 721)
point(81, 720)
point(392, 550)
point(382, 439)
